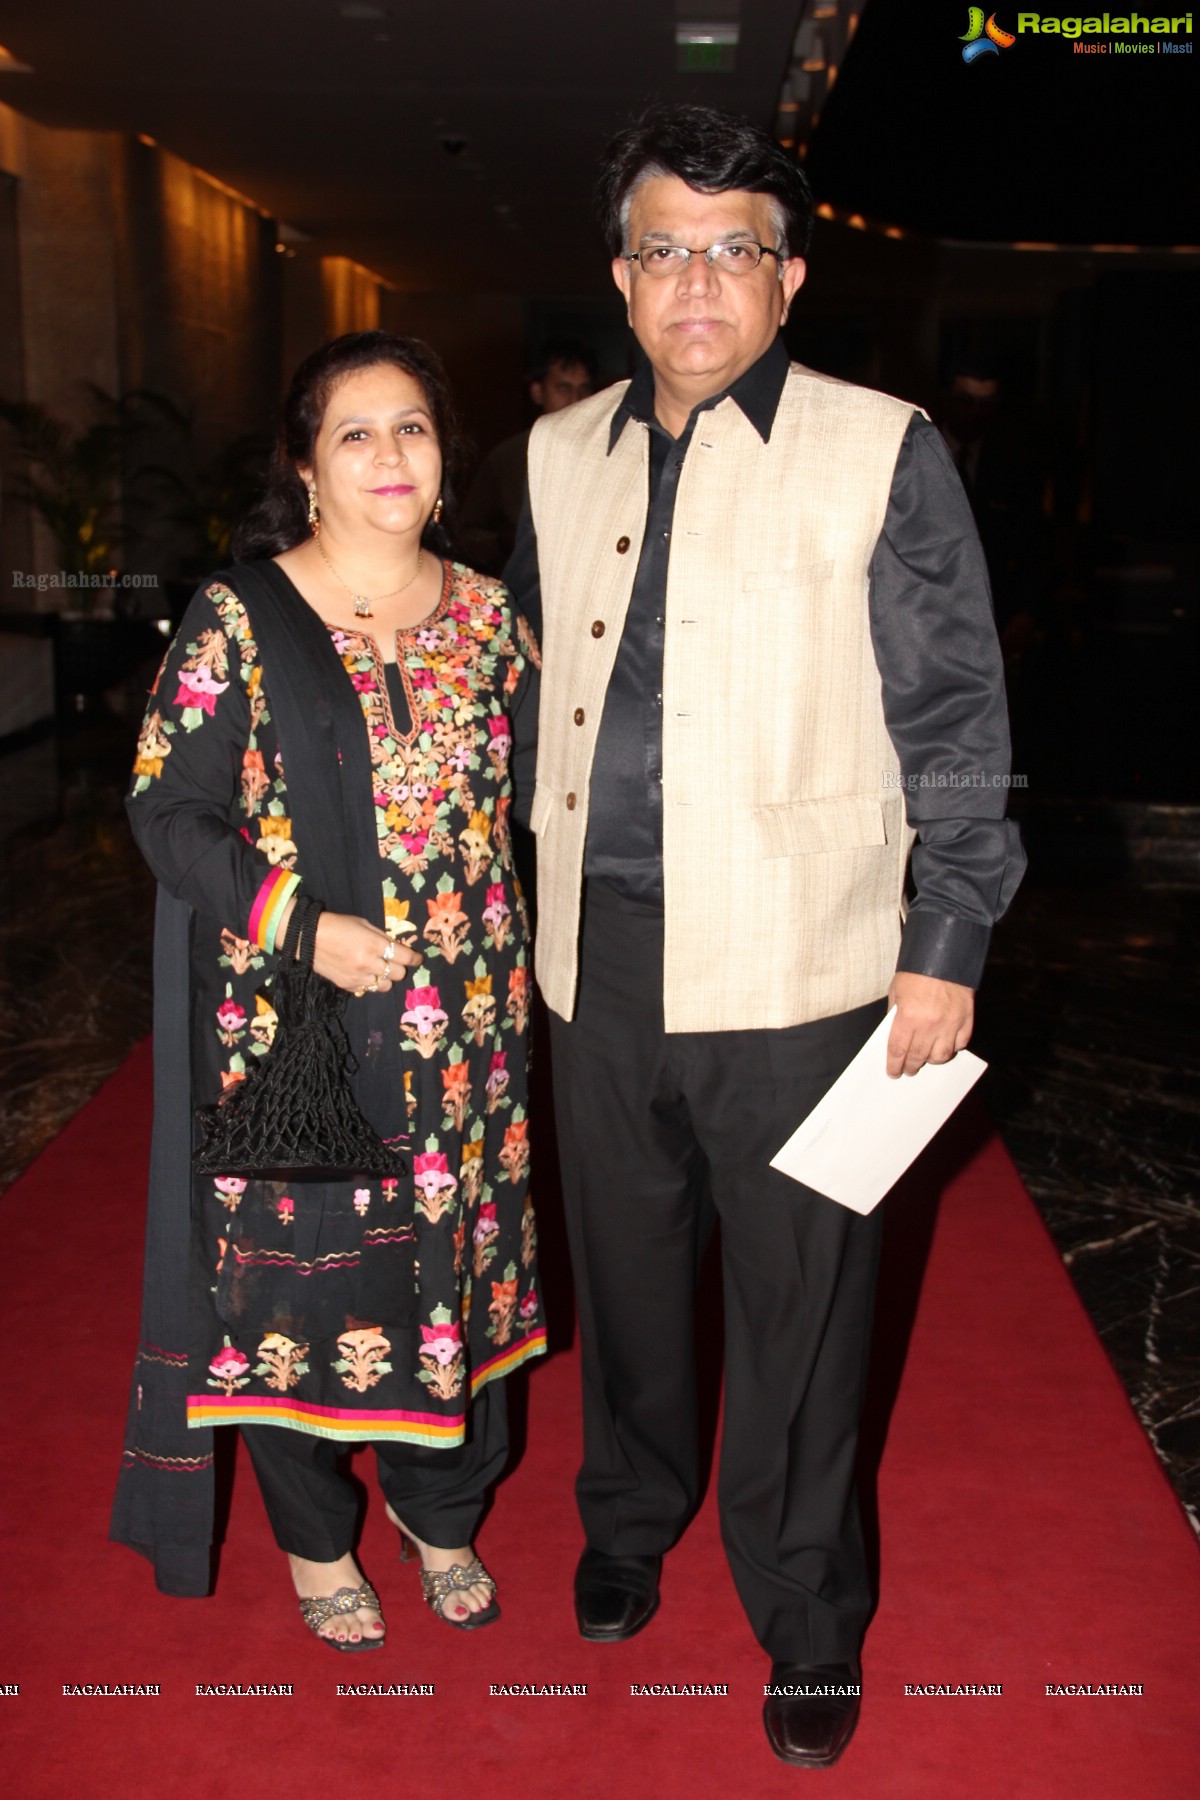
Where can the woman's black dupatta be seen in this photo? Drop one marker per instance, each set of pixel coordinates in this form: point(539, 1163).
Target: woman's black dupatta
point(164, 1501)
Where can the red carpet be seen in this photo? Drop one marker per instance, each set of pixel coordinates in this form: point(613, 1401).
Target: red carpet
point(1028, 1538)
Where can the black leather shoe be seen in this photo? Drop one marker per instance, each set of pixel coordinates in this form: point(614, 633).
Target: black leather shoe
point(615, 1595)
point(810, 1711)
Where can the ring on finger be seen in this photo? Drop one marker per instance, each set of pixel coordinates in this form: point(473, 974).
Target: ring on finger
point(388, 954)
point(373, 985)
point(359, 992)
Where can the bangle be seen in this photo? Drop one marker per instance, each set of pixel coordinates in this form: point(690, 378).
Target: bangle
point(299, 940)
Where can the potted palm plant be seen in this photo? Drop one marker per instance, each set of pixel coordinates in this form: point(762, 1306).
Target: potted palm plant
point(72, 479)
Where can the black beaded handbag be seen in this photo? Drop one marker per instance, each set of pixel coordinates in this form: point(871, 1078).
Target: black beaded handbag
point(294, 1116)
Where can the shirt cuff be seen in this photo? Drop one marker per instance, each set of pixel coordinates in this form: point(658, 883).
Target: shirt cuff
point(945, 946)
point(268, 908)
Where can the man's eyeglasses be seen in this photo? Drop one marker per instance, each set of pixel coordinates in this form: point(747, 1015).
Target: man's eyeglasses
point(730, 259)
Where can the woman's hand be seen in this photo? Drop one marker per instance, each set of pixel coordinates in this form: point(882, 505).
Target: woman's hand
point(355, 955)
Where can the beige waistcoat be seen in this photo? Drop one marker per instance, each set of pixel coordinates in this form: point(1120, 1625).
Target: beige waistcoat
point(784, 847)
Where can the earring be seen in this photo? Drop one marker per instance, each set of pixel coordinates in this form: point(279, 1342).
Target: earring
point(437, 509)
point(314, 513)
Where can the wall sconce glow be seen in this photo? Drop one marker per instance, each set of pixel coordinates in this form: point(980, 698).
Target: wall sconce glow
point(707, 34)
point(706, 48)
point(11, 65)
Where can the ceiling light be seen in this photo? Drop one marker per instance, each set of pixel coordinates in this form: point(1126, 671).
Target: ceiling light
point(10, 65)
point(704, 47)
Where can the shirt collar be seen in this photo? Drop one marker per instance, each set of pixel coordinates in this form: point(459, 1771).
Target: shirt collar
point(757, 391)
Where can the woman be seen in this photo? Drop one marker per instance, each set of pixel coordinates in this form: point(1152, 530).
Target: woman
point(334, 723)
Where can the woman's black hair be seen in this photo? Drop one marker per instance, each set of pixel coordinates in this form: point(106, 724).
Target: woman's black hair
point(279, 521)
point(713, 152)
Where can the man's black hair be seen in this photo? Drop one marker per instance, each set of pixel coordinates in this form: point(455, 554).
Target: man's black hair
point(566, 352)
point(713, 152)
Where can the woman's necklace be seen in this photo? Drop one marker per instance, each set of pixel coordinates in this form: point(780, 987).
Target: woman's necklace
point(362, 602)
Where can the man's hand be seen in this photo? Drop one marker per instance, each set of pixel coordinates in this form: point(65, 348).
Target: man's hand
point(933, 1019)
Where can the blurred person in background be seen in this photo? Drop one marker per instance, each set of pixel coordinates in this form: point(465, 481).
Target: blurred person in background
point(565, 373)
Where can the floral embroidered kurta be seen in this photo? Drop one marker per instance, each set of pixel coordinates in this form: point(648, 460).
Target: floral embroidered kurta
point(361, 1309)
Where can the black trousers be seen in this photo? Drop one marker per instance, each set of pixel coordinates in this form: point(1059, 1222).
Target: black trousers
point(438, 1494)
point(649, 1127)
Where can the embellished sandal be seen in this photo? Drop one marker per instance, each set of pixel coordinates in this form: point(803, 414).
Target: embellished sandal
point(438, 1584)
point(320, 1608)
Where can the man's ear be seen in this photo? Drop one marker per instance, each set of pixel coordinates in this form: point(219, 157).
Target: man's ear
point(537, 394)
point(791, 280)
point(622, 275)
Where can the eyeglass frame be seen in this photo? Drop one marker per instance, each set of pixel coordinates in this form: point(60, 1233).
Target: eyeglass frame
point(635, 256)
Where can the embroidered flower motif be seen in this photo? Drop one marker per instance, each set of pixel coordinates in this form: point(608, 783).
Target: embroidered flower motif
point(497, 916)
point(231, 1021)
point(361, 1365)
point(443, 1339)
point(471, 1169)
point(497, 1082)
point(275, 838)
point(262, 1026)
point(230, 1189)
point(528, 1234)
point(448, 923)
point(487, 1230)
point(479, 1013)
point(518, 998)
point(473, 841)
point(424, 1022)
point(281, 1361)
point(503, 1306)
point(229, 1370)
point(199, 691)
point(362, 1200)
point(285, 1209)
point(239, 953)
point(441, 1354)
point(153, 747)
point(500, 736)
point(456, 1090)
point(514, 1154)
point(435, 1185)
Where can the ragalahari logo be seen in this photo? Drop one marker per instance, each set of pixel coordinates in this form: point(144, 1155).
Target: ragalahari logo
point(980, 39)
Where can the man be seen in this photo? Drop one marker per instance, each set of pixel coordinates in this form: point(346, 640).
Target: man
point(765, 617)
point(565, 373)
point(1005, 482)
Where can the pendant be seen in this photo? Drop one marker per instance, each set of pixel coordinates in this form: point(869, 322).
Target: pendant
point(362, 606)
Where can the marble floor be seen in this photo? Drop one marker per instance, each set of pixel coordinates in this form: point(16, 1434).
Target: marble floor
point(1087, 1016)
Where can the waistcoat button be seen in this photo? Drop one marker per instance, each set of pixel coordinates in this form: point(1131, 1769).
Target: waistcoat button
point(598, 628)
point(570, 803)
point(622, 545)
point(579, 715)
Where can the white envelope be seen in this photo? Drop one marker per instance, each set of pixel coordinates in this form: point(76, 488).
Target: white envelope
point(858, 1140)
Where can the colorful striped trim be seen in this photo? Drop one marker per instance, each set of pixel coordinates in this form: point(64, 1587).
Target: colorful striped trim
point(269, 903)
point(346, 1425)
point(508, 1360)
point(325, 1421)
